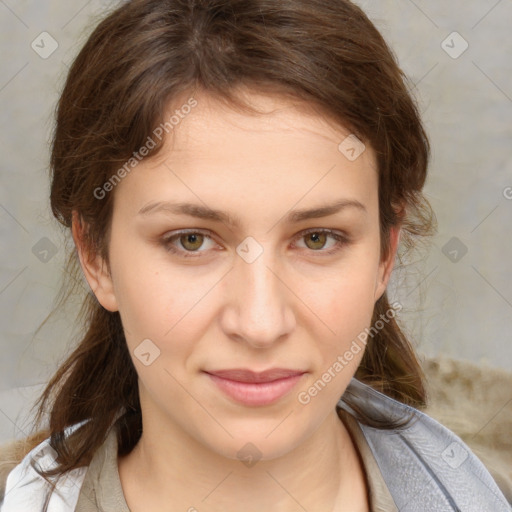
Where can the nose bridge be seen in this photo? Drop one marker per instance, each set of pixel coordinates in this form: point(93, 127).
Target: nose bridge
point(260, 283)
point(260, 297)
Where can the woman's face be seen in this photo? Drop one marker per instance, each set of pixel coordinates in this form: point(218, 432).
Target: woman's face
point(256, 293)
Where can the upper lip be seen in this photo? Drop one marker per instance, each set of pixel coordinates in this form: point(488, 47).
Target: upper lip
point(245, 375)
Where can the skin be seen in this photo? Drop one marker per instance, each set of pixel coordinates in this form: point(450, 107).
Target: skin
point(294, 306)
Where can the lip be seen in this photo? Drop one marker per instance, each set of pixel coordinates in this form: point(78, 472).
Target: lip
point(256, 388)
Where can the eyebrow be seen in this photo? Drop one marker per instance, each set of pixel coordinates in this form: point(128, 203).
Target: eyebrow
point(206, 213)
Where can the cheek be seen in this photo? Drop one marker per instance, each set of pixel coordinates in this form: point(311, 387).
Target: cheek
point(147, 297)
point(346, 296)
point(343, 312)
point(347, 314)
point(161, 302)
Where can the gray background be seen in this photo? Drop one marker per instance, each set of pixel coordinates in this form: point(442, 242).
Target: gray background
point(457, 303)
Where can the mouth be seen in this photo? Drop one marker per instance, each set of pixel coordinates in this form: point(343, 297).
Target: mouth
point(256, 389)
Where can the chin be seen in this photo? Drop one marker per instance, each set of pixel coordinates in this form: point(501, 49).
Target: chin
point(256, 443)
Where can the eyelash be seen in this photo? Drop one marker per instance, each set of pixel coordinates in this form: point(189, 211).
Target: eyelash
point(167, 242)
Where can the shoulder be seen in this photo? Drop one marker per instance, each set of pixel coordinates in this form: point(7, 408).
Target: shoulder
point(425, 463)
point(25, 489)
point(13, 452)
point(102, 488)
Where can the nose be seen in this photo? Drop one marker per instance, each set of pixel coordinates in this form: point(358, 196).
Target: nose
point(259, 309)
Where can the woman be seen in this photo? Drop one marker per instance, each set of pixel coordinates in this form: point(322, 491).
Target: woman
point(237, 178)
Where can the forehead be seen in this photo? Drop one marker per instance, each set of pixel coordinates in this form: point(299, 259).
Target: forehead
point(288, 154)
point(279, 119)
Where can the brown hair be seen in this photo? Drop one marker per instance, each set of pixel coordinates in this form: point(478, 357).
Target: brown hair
point(147, 54)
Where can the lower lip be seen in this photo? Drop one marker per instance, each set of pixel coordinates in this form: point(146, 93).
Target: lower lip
point(263, 393)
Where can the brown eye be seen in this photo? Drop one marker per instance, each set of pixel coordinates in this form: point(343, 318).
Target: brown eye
point(191, 241)
point(188, 243)
point(324, 242)
point(317, 239)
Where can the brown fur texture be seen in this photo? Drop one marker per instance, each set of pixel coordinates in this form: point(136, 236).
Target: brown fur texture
point(473, 401)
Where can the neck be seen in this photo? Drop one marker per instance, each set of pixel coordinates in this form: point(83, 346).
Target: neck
point(170, 467)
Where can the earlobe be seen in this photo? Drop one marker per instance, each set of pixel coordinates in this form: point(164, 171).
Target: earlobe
point(386, 266)
point(94, 267)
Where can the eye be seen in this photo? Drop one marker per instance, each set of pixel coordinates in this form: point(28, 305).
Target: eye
point(315, 239)
point(189, 243)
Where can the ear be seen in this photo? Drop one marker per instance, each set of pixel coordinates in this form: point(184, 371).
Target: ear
point(95, 269)
point(386, 265)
